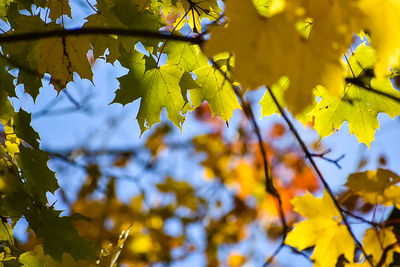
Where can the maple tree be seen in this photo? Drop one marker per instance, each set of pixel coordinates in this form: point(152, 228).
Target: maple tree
point(325, 62)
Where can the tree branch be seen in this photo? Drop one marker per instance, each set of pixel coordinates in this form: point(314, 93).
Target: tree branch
point(358, 82)
point(269, 182)
point(321, 177)
point(30, 36)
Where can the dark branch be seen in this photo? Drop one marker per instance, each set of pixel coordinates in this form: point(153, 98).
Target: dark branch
point(321, 177)
point(269, 182)
point(29, 36)
point(361, 218)
point(358, 82)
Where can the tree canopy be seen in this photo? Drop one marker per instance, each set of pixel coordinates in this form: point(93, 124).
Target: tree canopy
point(320, 63)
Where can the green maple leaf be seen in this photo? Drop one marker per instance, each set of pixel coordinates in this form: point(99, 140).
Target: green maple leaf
point(136, 65)
point(160, 89)
point(24, 129)
point(216, 90)
point(186, 83)
point(130, 16)
point(358, 106)
point(268, 106)
point(58, 234)
point(39, 178)
point(189, 57)
point(25, 55)
point(6, 79)
point(122, 14)
point(104, 18)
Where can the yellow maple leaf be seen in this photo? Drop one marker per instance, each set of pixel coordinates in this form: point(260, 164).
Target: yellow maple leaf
point(376, 187)
point(382, 20)
point(323, 229)
point(257, 42)
point(374, 243)
point(269, 48)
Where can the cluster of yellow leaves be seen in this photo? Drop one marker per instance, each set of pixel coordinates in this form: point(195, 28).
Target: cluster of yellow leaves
point(10, 141)
point(324, 229)
point(305, 41)
point(240, 166)
point(191, 12)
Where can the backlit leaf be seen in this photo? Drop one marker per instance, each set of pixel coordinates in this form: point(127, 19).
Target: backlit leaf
point(60, 57)
point(323, 229)
point(376, 187)
point(357, 105)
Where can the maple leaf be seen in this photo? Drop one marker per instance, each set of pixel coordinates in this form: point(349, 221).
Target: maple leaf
point(382, 18)
point(60, 57)
point(58, 8)
point(376, 241)
point(189, 57)
point(274, 48)
point(24, 130)
point(159, 89)
point(323, 229)
point(256, 58)
point(137, 66)
point(358, 106)
point(38, 176)
point(376, 187)
point(58, 234)
point(26, 53)
point(217, 90)
point(268, 106)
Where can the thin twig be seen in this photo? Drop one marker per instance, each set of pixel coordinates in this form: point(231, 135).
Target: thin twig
point(30, 36)
point(374, 224)
point(334, 161)
point(91, 6)
point(72, 99)
point(166, 41)
point(321, 177)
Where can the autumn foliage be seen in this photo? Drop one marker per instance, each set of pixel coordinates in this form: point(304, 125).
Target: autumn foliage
point(215, 194)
